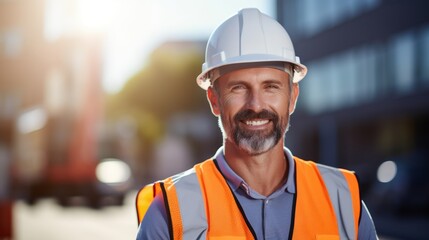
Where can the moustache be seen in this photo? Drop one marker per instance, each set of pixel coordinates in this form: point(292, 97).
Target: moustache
point(247, 114)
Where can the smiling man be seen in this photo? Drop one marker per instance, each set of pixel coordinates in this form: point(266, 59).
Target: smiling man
point(253, 187)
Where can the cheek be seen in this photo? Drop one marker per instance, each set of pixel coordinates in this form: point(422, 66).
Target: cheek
point(279, 104)
point(231, 105)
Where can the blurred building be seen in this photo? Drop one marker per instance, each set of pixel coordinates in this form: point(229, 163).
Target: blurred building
point(50, 99)
point(364, 104)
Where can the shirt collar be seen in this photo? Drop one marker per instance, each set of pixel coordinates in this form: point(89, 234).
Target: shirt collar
point(236, 181)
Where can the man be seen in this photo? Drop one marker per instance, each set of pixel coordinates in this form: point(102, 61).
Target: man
point(253, 188)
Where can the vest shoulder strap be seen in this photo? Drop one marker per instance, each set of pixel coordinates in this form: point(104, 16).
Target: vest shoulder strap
point(343, 189)
point(176, 192)
point(314, 215)
point(336, 192)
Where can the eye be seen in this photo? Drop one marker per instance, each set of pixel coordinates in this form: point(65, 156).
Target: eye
point(238, 87)
point(272, 86)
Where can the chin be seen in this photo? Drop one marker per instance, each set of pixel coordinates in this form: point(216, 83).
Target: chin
point(257, 147)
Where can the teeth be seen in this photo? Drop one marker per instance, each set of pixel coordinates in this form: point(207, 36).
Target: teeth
point(257, 122)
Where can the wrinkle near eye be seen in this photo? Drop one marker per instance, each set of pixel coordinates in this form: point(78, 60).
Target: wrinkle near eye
point(238, 87)
point(236, 84)
point(273, 84)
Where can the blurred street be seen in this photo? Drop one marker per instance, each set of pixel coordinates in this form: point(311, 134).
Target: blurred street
point(47, 220)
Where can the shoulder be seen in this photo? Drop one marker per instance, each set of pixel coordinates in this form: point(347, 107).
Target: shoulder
point(189, 179)
point(329, 174)
point(155, 223)
point(174, 191)
point(338, 175)
point(366, 225)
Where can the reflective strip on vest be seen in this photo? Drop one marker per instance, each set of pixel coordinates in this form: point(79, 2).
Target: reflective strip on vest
point(190, 200)
point(226, 219)
point(341, 198)
point(314, 216)
point(201, 205)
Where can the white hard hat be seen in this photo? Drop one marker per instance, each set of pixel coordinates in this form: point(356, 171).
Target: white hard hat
point(249, 37)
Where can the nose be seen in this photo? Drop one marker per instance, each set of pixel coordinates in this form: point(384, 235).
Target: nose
point(255, 101)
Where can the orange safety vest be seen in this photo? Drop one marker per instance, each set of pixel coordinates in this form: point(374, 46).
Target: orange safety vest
point(326, 206)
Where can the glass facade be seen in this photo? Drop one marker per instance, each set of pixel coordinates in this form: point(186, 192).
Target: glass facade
point(362, 74)
point(316, 16)
point(402, 62)
point(364, 103)
point(423, 58)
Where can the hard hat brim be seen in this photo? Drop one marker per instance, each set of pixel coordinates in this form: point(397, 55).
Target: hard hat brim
point(205, 82)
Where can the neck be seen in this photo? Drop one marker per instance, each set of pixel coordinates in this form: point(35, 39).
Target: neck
point(264, 173)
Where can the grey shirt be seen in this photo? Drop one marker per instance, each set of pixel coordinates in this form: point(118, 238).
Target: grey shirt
point(270, 217)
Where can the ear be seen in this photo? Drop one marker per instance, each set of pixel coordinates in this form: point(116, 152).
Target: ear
point(293, 97)
point(213, 100)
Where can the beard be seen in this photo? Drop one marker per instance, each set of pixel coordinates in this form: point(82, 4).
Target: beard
point(256, 142)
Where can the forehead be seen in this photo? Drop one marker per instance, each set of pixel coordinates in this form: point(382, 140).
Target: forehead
point(254, 74)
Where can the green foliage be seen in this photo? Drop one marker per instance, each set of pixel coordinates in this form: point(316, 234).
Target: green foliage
point(164, 87)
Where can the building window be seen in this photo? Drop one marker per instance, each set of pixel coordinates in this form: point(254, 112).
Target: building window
point(344, 79)
point(312, 88)
point(424, 56)
point(402, 63)
point(315, 15)
point(361, 74)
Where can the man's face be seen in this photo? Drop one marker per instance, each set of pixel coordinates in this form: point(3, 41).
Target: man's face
point(254, 105)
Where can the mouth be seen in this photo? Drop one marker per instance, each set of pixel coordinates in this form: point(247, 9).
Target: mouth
point(252, 121)
point(256, 122)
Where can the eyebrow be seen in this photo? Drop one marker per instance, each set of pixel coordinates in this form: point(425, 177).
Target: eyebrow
point(235, 82)
point(240, 81)
point(273, 81)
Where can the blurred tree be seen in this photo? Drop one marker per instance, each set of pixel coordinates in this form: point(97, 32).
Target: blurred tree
point(163, 88)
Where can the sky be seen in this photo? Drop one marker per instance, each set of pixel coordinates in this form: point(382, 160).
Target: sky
point(133, 28)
